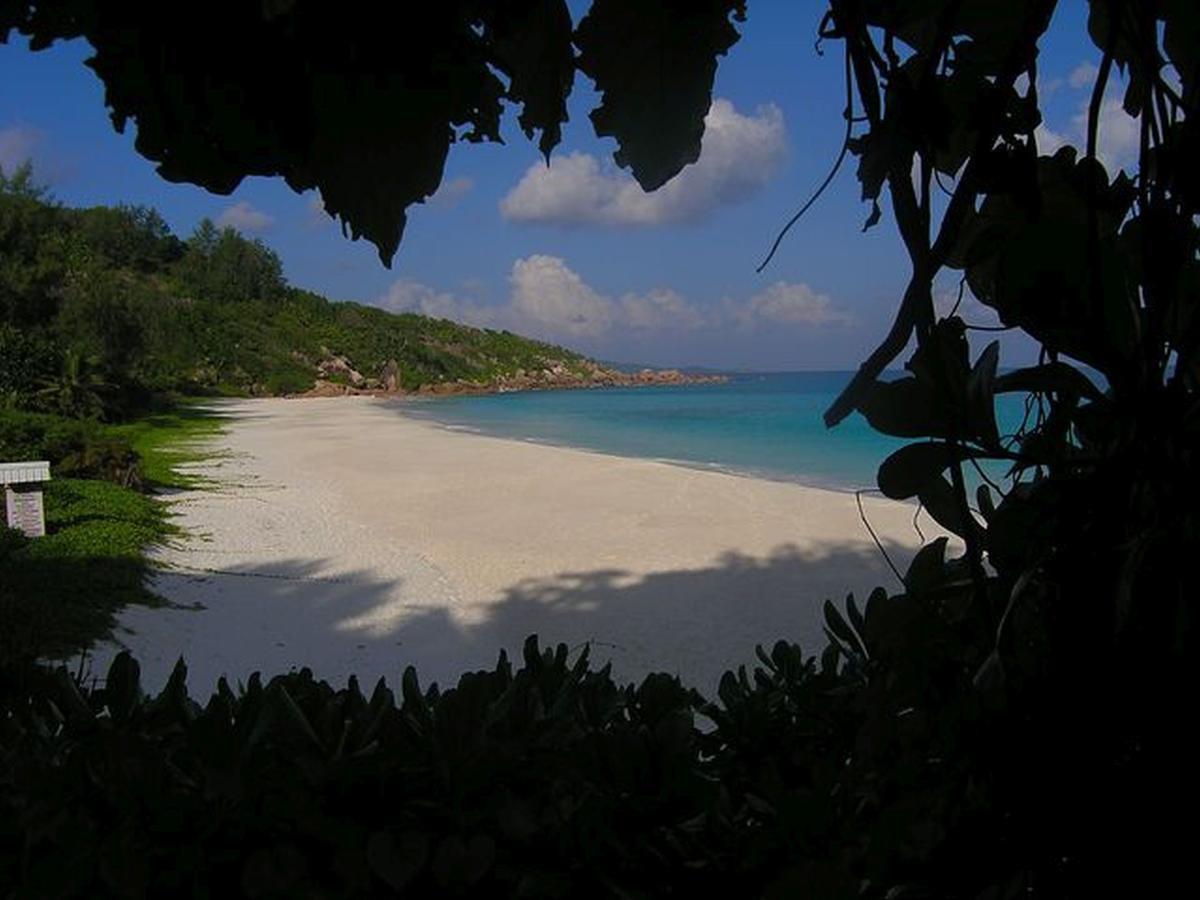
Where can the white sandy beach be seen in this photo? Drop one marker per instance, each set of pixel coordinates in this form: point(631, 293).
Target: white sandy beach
point(350, 538)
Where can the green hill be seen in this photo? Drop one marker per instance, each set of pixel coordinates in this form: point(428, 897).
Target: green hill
point(104, 309)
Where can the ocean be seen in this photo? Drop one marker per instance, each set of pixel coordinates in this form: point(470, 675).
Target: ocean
point(767, 425)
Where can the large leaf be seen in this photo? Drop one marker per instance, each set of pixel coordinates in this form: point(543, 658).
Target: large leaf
point(942, 503)
point(981, 387)
point(905, 407)
point(654, 62)
point(927, 569)
point(910, 469)
point(1054, 376)
point(122, 686)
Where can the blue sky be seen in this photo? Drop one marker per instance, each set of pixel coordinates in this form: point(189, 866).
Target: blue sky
point(576, 253)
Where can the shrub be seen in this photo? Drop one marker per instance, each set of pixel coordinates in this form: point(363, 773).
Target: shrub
point(75, 448)
point(26, 360)
point(546, 781)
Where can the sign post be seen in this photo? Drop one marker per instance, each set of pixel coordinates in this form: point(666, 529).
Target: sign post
point(23, 508)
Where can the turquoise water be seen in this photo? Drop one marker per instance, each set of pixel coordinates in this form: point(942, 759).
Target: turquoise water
point(761, 424)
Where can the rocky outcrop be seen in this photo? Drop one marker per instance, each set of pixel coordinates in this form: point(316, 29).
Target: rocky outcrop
point(389, 377)
point(338, 368)
point(553, 375)
point(560, 377)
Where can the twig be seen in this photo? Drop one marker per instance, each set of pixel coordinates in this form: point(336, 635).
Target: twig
point(917, 525)
point(962, 284)
point(849, 114)
point(863, 515)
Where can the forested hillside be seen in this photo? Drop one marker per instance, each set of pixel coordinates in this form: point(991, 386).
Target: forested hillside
point(102, 309)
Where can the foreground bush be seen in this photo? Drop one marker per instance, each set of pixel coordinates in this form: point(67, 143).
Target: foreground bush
point(877, 771)
point(76, 448)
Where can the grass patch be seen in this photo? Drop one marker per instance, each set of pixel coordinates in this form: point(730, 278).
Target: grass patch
point(61, 593)
point(167, 440)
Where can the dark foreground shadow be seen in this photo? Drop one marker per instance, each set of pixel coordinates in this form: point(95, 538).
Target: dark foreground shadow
point(696, 623)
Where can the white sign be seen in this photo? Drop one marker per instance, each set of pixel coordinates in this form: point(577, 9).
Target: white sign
point(23, 510)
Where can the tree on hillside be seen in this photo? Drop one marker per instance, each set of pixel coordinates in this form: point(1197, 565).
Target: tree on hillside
point(220, 264)
point(1019, 716)
point(33, 250)
point(129, 237)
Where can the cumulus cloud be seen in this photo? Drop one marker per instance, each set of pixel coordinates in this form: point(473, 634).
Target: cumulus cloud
point(738, 155)
point(244, 217)
point(1117, 137)
point(406, 295)
point(547, 292)
point(17, 144)
point(660, 309)
point(548, 299)
point(784, 303)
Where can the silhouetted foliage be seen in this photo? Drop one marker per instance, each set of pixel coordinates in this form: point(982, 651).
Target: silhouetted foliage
point(1072, 612)
point(1017, 722)
point(365, 109)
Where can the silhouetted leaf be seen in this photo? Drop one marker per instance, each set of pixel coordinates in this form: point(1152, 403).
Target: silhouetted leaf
point(838, 627)
point(903, 408)
point(981, 386)
point(654, 62)
point(927, 569)
point(940, 501)
point(1054, 376)
point(532, 43)
point(908, 470)
point(397, 862)
point(122, 686)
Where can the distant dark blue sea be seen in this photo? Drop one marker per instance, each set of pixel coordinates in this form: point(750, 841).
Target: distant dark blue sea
point(768, 425)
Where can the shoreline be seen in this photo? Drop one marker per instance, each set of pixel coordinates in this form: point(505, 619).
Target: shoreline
point(695, 465)
point(351, 538)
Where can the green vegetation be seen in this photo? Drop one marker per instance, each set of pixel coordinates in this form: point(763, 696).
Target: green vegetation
point(1013, 722)
point(75, 448)
point(103, 312)
point(165, 441)
point(544, 780)
point(60, 593)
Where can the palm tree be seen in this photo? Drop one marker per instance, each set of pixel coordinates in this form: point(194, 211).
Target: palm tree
point(78, 390)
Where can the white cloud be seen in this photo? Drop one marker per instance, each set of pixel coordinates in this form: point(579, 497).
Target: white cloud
point(1082, 75)
point(17, 143)
point(406, 295)
point(244, 217)
point(1048, 141)
point(784, 303)
point(450, 192)
point(548, 293)
point(1117, 138)
point(549, 300)
point(659, 309)
point(739, 154)
point(946, 298)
